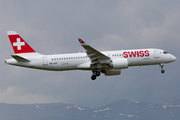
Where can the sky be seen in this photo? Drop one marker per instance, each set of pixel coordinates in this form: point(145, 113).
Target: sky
point(52, 27)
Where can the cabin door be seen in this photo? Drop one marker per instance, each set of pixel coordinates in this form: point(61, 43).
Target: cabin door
point(45, 61)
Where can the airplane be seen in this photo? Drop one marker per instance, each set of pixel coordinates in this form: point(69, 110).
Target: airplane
point(108, 62)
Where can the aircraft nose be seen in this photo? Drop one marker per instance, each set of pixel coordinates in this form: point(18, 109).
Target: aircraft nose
point(173, 58)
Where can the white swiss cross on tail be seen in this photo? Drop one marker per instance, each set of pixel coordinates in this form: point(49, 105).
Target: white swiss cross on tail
point(18, 44)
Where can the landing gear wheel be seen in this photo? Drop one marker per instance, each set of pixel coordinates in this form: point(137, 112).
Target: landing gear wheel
point(98, 73)
point(162, 71)
point(93, 77)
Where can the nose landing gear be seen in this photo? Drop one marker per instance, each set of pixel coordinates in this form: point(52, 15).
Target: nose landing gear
point(162, 70)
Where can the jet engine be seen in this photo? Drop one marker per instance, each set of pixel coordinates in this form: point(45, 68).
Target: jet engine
point(119, 63)
point(110, 72)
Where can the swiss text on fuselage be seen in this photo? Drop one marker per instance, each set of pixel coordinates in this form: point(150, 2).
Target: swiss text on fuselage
point(140, 53)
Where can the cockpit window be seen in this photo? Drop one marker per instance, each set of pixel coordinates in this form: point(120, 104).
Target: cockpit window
point(165, 52)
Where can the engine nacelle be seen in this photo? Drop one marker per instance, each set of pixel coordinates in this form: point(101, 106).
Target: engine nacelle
point(119, 63)
point(110, 72)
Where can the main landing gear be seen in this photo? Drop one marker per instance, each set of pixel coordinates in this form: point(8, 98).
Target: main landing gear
point(162, 70)
point(95, 74)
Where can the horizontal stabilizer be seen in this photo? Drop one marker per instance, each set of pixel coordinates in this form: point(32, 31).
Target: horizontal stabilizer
point(19, 58)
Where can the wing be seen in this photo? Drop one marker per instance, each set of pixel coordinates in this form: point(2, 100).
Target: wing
point(95, 55)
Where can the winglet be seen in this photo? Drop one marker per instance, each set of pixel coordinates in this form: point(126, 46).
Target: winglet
point(80, 40)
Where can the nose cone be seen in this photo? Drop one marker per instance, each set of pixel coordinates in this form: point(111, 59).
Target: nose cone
point(173, 58)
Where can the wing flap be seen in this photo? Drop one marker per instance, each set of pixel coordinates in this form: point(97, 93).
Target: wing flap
point(94, 58)
point(94, 62)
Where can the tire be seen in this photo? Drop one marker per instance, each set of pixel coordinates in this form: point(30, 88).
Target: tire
point(93, 77)
point(98, 73)
point(162, 71)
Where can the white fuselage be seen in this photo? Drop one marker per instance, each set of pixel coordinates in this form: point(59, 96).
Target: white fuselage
point(107, 62)
point(80, 61)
